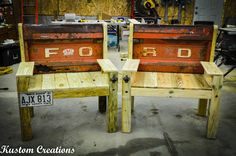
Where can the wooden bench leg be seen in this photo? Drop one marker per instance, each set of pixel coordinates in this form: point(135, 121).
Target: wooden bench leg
point(31, 112)
point(132, 104)
point(112, 102)
point(102, 104)
point(25, 122)
point(202, 107)
point(126, 103)
point(214, 107)
point(25, 112)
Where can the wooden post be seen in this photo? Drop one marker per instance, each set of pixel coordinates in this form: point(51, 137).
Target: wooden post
point(202, 107)
point(105, 39)
point(213, 43)
point(102, 104)
point(132, 104)
point(126, 102)
point(21, 41)
point(31, 112)
point(214, 107)
point(25, 113)
point(130, 40)
point(112, 102)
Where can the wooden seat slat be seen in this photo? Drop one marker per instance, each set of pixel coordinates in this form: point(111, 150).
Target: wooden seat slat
point(48, 81)
point(61, 81)
point(35, 82)
point(68, 81)
point(73, 80)
point(168, 80)
point(100, 79)
point(86, 80)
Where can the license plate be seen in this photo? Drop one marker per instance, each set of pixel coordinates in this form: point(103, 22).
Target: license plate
point(36, 99)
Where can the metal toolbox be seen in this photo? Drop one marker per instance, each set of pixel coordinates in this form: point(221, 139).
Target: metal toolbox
point(9, 54)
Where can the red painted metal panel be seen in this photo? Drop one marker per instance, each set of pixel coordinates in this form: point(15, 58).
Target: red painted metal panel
point(65, 52)
point(43, 36)
point(64, 48)
point(172, 48)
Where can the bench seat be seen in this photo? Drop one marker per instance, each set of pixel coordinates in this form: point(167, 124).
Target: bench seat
point(169, 80)
point(170, 85)
point(69, 85)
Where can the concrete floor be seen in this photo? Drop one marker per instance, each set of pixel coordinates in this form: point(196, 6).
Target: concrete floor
point(77, 123)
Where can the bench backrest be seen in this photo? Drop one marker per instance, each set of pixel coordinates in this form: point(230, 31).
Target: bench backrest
point(60, 48)
point(171, 48)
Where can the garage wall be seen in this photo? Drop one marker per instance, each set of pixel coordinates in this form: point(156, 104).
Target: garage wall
point(110, 7)
point(187, 13)
point(229, 10)
point(85, 7)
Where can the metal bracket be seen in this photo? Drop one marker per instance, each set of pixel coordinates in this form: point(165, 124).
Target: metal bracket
point(114, 79)
point(126, 79)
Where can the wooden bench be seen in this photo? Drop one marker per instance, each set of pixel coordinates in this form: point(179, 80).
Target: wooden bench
point(172, 61)
point(66, 61)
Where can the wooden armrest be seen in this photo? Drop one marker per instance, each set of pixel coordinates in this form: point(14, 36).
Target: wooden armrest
point(131, 65)
point(211, 68)
point(107, 65)
point(25, 69)
point(134, 21)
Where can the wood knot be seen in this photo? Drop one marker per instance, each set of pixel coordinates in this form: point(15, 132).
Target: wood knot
point(171, 92)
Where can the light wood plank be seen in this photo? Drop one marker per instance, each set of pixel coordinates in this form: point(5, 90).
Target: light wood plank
point(112, 103)
point(100, 79)
point(25, 115)
point(201, 82)
point(166, 80)
point(134, 21)
point(48, 81)
point(211, 68)
point(107, 65)
point(80, 92)
point(35, 83)
point(137, 79)
point(213, 43)
point(208, 78)
point(21, 41)
point(86, 80)
point(214, 107)
point(68, 80)
point(130, 41)
point(188, 81)
point(105, 39)
point(132, 104)
point(194, 81)
point(161, 92)
point(73, 80)
point(202, 107)
point(150, 80)
point(177, 78)
point(131, 65)
point(169, 80)
point(126, 104)
point(25, 69)
point(61, 81)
